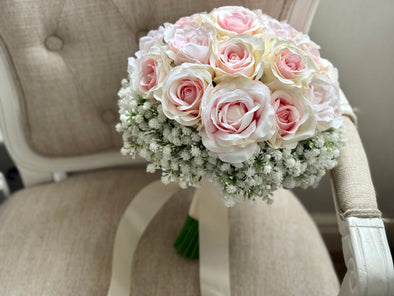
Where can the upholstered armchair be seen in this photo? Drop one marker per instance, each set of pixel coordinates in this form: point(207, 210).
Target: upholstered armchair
point(61, 63)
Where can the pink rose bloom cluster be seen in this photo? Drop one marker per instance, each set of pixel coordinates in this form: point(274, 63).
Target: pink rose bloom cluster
point(239, 77)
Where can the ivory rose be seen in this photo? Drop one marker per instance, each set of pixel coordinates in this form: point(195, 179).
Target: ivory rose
point(236, 115)
point(233, 20)
point(323, 66)
point(240, 55)
point(326, 68)
point(182, 92)
point(154, 37)
point(276, 29)
point(324, 95)
point(197, 18)
point(148, 72)
point(189, 42)
point(310, 47)
point(294, 118)
point(285, 62)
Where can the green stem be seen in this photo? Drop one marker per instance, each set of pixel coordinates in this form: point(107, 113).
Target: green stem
point(187, 242)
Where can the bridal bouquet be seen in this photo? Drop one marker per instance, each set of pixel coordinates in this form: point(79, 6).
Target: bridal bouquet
point(234, 96)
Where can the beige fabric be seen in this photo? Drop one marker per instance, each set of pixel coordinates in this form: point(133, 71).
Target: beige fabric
point(57, 239)
point(352, 179)
point(70, 56)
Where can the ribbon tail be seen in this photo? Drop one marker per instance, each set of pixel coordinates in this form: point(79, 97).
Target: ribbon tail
point(214, 241)
point(132, 225)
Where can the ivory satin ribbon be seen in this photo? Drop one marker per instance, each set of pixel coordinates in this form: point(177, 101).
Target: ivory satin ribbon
point(133, 223)
point(213, 230)
point(213, 237)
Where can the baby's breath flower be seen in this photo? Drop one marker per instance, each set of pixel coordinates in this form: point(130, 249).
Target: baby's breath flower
point(124, 151)
point(175, 132)
point(250, 172)
point(290, 162)
point(154, 123)
point(153, 147)
point(225, 167)
point(144, 153)
point(196, 152)
point(147, 105)
point(231, 189)
point(151, 168)
point(196, 137)
point(166, 179)
point(186, 131)
point(199, 161)
point(185, 155)
point(139, 118)
point(167, 150)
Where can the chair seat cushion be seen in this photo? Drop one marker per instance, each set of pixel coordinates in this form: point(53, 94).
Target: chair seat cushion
point(57, 239)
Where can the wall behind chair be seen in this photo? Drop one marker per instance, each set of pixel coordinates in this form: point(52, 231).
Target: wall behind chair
point(358, 37)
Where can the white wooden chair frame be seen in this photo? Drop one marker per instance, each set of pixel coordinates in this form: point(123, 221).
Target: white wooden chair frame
point(367, 255)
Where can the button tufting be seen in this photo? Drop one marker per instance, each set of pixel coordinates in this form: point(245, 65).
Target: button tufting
point(140, 34)
point(108, 116)
point(53, 43)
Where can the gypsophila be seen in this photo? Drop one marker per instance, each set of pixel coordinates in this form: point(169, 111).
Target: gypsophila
point(186, 164)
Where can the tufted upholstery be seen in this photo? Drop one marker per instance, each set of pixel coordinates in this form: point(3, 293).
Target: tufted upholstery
point(69, 57)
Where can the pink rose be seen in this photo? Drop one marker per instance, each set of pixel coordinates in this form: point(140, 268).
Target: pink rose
point(182, 92)
point(324, 95)
point(287, 63)
point(148, 72)
point(232, 20)
point(236, 115)
point(189, 42)
point(294, 118)
point(148, 77)
point(240, 55)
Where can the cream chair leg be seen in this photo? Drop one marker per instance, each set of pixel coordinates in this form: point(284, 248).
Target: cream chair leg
point(367, 257)
point(4, 190)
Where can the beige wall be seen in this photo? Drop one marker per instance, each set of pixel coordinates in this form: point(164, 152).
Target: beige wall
point(358, 37)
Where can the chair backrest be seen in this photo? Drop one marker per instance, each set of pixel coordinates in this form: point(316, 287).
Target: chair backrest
point(61, 63)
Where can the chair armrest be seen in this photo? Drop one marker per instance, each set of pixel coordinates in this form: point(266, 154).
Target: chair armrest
point(364, 242)
point(351, 178)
